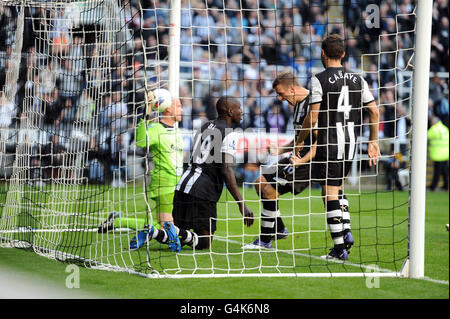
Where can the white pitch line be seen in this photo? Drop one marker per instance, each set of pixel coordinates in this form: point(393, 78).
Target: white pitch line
point(443, 282)
point(367, 268)
point(312, 257)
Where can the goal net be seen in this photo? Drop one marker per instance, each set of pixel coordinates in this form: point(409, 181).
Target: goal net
point(74, 87)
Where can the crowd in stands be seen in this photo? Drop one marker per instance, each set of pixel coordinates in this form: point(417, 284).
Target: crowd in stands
point(234, 50)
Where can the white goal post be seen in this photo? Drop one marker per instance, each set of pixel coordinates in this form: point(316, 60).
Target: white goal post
point(102, 57)
point(419, 139)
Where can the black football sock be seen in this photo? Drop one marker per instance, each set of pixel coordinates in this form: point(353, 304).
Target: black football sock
point(334, 220)
point(345, 212)
point(271, 221)
point(160, 236)
point(187, 237)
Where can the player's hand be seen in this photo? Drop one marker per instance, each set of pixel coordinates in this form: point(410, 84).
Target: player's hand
point(374, 153)
point(298, 148)
point(150, 97)
point(248, 215)
point(295, 160)
point(273, 149)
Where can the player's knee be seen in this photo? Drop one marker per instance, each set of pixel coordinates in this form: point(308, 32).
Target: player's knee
point(269, 192)
point(258, 184)
point(204, 239)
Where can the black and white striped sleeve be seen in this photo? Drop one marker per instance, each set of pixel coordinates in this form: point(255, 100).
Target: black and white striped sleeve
point(367, 96)
point(316, 91)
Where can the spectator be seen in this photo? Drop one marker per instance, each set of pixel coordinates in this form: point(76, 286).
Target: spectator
point(372, 80)
point(275, 120)
point(393, 164)
point(403, 123)
point(52, 159)
point(95, 162)
point(203, 24)
point(86, 108)
point(117, 113)
point(199, 121)
point(53, 107)
point(70, 81)
point(48, 77)
point(388, 103)
point(187, 39)
point(435, 90)
point(441, 110)
point(438, 148)
point(257, 119)
point(438, 54)
point(7, 112)
point(67, 115)
point(119, 150)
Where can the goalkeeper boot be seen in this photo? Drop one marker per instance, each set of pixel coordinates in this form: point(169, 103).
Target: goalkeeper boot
point(348, 242)
point(284, 234)
point(258, 244)
point(141, 238)
point(108, 224)
point(174, 241)
point(336, 254)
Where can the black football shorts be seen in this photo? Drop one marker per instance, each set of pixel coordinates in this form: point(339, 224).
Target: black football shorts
point(330, 172)
point(288, 178)
point(190, 212)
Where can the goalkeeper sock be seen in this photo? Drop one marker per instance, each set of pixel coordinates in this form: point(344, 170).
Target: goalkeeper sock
point(334, 220)
point(345, 212)
point(270, 217)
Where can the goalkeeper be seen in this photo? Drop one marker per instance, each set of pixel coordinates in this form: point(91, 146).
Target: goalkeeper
point(164, 140)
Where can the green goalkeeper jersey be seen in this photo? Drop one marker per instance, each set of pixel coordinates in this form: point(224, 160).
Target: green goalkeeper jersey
point(166, 144)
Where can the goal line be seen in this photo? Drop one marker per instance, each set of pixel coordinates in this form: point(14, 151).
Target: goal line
point(370, 270)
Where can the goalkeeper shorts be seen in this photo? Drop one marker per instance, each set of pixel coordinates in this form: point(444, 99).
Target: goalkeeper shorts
point(164, 203)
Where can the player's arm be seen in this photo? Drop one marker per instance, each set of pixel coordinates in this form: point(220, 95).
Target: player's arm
point(143, 130)
point(373, 148)
point(296, 160)
point(146, 133)
point(309, 122)
point(141, 133)
point(312, 117)
point(230, 182)
point(275, 150)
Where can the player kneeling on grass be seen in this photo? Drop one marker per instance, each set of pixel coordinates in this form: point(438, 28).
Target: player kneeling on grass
point(201, 185)
point(162, 138)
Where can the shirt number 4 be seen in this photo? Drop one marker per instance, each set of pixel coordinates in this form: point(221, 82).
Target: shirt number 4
point(344, 106)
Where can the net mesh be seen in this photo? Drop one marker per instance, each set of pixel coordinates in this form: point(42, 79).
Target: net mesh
point(83, 70)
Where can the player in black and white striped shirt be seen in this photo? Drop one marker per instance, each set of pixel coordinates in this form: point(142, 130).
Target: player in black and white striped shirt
point(291, 174)
point(337, 101)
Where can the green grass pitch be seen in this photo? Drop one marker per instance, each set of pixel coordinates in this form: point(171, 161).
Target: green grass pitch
point(379, 222)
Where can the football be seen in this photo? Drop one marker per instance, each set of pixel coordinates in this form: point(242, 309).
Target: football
point(159, 100)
